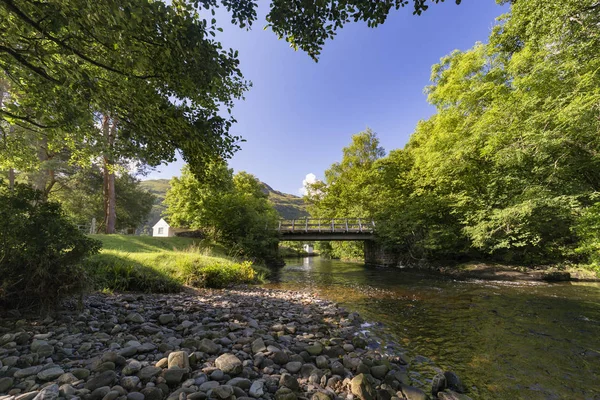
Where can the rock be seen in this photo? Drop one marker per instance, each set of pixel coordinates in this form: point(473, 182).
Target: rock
point(48, 393)
point(206, 386)
point(289, 382)
point(129, 383)
point(67, 378)
point(320, 396)
point(66, 390)
point(208, 346)
point(128, 351)
point(315, 349)
point(361, 387)
point(280, 358)
point(152, 393)
point(99, 393)
point(135, 396)
point(5, 384)
point(162, 363)
point(135, 318)
point(179, 359)
point(293, 366)
point(242, 383)
point(322, 362)
point(453, 382)
point(337, 368)
point(50, 373)
point(165, 319)
point(379, 371)
point(556, 276)
point(257, 389)
point(81, 373)
point(359, 342)
point(27, 396)
point(223, 392)
point(229, 364)
point(307, 370)
point(132, 368)
point(106, 378)
point(148, 372)
point(285, 394)
point(413, 393)
point(174, 375)
point(258, 346)
point(438, 384)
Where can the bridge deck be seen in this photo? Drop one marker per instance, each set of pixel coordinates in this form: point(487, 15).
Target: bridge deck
point(321, 229)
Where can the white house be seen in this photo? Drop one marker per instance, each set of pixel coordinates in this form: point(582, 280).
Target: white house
point(162, 229)
point(308, 248)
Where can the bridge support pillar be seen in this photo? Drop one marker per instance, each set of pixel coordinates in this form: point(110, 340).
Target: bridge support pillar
point(377, 255)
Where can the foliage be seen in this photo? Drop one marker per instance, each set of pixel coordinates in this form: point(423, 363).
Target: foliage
point(232, 210)
point(81, 197)
point(41, 251)
point(219, 275)
point(507, 169)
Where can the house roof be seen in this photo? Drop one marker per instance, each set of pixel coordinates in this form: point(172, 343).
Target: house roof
point(161, 222)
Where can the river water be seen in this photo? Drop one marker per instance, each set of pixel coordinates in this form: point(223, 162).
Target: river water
point(505, 340)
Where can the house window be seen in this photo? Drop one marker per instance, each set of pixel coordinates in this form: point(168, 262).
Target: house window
point(161, 230)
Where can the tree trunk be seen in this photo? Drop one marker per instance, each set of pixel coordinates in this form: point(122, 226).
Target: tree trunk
point(110, 197)
point(11, 179)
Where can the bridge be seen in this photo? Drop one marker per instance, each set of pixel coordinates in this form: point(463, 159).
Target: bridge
point(309, 229)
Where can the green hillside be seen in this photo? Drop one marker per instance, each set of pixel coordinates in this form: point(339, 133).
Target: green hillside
point(287, 205)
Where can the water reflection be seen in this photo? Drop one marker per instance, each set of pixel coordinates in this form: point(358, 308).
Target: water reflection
point(507, 340)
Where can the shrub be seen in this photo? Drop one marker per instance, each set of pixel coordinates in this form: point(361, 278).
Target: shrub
point(40, 250)
point(219, 275)
point(112, 272)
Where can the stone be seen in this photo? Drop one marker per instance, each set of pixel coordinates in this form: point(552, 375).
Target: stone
point(257, 389)
point(242, 383)
point(81, 373)
point(135, 318)
point(413, 393)
point(229, 364)
point(289, 382)
point(337, 368)
point(217, 375)
point(453, 382)
point(67, 378)
point(223, 392)
point(206, 386)
point(320, 396)
point(66, 390)
point(438, 384)
point(322, 362)
point(148, 372)
point(285, 394)
point(99, 393)
point(130, 382)
point(5, 384)
point(178, 359)
point(307, 370)
point(50, 373)
point(362, 387)
point(315, 349)
point(208, 346)
point(135, 396)
point(379, 371)
point(128, 351)
point(258, 346)
point(132, 368)
point(280, 358)
point(106, 378)
point(174, 375)
point(48, 393)
point(293, 366)
point(27, 396)
point(165, 319)
point(152, 393)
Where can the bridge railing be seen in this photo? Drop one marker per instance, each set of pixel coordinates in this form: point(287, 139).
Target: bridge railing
point(338, 225)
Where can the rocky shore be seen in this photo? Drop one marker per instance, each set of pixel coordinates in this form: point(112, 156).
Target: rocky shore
point(243, 344)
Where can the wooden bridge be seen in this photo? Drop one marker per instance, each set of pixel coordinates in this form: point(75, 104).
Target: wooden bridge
point(310, 229)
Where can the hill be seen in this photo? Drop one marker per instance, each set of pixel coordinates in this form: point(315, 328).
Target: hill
point(287, 205)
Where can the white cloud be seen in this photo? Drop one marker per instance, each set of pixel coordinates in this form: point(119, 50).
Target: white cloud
point(308, 179)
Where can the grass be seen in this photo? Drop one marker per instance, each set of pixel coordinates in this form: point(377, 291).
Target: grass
point(150, 264)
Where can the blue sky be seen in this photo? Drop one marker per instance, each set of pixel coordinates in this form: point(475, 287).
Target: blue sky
point(299, 114)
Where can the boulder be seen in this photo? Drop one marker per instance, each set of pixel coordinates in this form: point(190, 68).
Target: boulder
point(229, 364)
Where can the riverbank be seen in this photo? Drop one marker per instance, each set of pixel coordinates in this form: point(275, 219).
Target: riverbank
point(216, 344)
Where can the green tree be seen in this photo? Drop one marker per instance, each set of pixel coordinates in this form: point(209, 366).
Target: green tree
point(231, 209)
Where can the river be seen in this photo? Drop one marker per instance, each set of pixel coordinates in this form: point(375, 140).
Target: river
point(505, 340)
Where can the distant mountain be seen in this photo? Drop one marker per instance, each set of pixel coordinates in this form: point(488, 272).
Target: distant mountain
point(287, 205)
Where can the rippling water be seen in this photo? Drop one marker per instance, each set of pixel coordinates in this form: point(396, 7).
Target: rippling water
point(505, 340)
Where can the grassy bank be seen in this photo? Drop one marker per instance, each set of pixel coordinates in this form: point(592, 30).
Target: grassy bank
point(150, 264)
